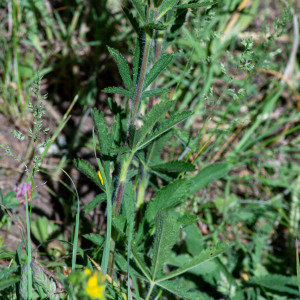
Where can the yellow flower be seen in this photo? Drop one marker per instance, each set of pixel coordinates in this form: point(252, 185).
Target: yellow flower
point(93, 289)
point(87, 271)
point(100, 177)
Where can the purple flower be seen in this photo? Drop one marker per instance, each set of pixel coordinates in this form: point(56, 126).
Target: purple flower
point(21, 190)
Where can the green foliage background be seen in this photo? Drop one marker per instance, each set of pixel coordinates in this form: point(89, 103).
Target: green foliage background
point(194, 109)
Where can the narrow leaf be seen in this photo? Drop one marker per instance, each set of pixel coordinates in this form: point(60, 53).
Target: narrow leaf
point(166, 234)
point(167, 197)
point(175, 287)
point(123, 68)
point(157, 68)
point(174, 167)
point(96, 239)
point(278, 283)
point(156, 26)
point(117, 90)
point(140, 261)
point(196, 5)
point(153, 116)
point(154, 92)
point(92, 204)
point(140, 8)
point(88, 171)
point(165, 7)
point(208, 175)
point(102, 131)
point(165, 126)
point(204, 256)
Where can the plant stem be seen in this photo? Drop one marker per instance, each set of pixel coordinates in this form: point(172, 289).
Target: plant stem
point(142, 189)
point(140, 85)
point(29, 272)
point(122, 181)
point(150, 291)
point(158, 44)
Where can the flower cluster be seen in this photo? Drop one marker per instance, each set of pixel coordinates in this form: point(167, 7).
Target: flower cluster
point(95, 284)
point(87, 285)
point(21, 190)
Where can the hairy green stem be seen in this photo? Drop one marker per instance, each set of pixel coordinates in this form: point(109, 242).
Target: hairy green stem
point(158, 44)
point(122, 182)
point(150, 291)
point(140, 84)
point(142, 189)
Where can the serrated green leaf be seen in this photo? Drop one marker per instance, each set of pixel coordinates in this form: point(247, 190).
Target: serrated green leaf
point(88, 171)
point(153, 116)
point(140, 261)
point(166, 235)
point(140, 8)
point(196, 5)
point(4, 273)
point(208, 175)
point(174, 167)
point(154, 92)
point(156, 26)
point(278, 283)
point(157, 68)
point(92, 204)
point(7, 282)
point(123, 68)
point(169, 196)
point(204, 256)
point(156, 147)
point(117, 90)
point(175, 287)
point(165, 7)
point(102, 131)
point(132, 19)
point(165, 126)
point(97, 239)
point(187, 220)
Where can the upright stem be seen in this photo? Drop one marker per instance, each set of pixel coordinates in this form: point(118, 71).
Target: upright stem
point(29, 272)
point(150, 291)
point(158, 47)
point(140, 84)
point(142, 189)
point(122, 181)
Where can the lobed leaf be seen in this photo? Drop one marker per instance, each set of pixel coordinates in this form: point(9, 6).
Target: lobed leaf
point(177, 289)
point(123, 68)
point(169, 196)
point(196, 5)
point(208, 175)
point(88, 171)
point(140, 8)
point(102, 131)
point(165, 7)
point(154, 92)
point(174, 167)
point(96, 239)
point(92, 204)
point(278, 283)
point(157, 68)
point(117, 90)
point(165, 126)
point(153, 116)
point(140, 261)
point(204, 256)
point(166, 235)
